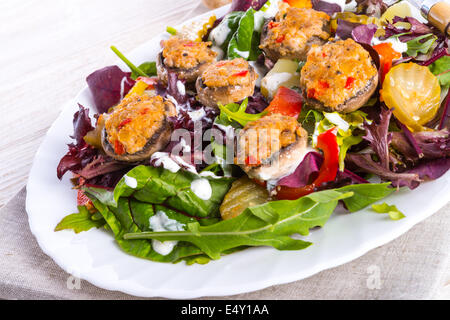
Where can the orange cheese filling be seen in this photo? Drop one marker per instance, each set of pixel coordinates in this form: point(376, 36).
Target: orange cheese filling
point(262, 138)
point(293, 28)
point(227, 73)
point(186, 54)
point(133, 122)
point(336, 71)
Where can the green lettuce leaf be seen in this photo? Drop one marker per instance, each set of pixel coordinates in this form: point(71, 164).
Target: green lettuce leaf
point(81, 221)
point(416, 46)
point(392, 210)
point(441, 69)
point(235, 112)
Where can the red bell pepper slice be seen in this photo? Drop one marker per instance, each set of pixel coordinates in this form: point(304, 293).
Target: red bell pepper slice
point(387, 54)
point(327, 142)
point(286, 102)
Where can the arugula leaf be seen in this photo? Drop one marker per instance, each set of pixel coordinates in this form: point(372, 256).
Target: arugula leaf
point(149, 68)
point(237, 113)
point(415, 46)
point(393, 212)
point(272, 223)
point(441, 69)
point(81, 221)
point(161, 186)
point(365, 194)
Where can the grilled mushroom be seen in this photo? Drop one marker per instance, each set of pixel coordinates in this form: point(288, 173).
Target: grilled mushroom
point(225, 82)
point(338, 76)
point(271, 147)
point(188, 59)
point(138, 127)
point(292, 33)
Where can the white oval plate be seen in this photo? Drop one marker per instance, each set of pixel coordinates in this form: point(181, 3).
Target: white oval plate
point(95, 257)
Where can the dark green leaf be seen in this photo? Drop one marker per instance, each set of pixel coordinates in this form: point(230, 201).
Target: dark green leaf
point(441, 69)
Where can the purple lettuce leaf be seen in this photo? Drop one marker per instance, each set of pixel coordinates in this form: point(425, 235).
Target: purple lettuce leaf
point(75, 159)
point(431, 169)
point(379, 138)
point(365, 163)
point(174, 90)
point(371, 7)
point(81, 124)
point(364, 33)
point(328, 8)
point(108, 86)
point(432, 144)
point(417, 29)
point(244, 5)
point(345, 28)
point(305, 173)
point(445, 118)
point(256, 103)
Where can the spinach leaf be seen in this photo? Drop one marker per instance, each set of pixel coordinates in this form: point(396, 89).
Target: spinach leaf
point(273, 223)
point(124, 219)
point(241, 41)
point(81, 221)
point(149, 68)
point(161, 186)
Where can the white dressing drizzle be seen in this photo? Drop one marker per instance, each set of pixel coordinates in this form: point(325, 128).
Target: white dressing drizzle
point(161, 222)
point(201, 188)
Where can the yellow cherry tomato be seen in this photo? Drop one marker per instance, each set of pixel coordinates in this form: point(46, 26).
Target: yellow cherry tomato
point(413, 93)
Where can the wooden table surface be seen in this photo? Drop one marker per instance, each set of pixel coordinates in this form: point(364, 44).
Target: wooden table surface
point(48, 48)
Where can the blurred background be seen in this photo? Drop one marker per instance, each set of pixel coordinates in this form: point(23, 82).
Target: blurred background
point(48, 47)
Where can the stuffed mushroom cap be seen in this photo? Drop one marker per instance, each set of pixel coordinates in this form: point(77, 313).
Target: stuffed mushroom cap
point(293, 31)
point(188, 59)
point(138, 127)
point(226, 81)
point(271, 147)
point(338, 76)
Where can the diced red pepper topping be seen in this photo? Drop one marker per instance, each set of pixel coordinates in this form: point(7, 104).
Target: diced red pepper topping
point(273, 24)
point(220, 64)
point(323, 84)
point(281, 38)
point(287, 102)
point(242, 73)
point(349, 82)
point(124, 123)
point(144, 111)
point(252, 161)
point(189, 44)
point(118, 148)
point(311, 93)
